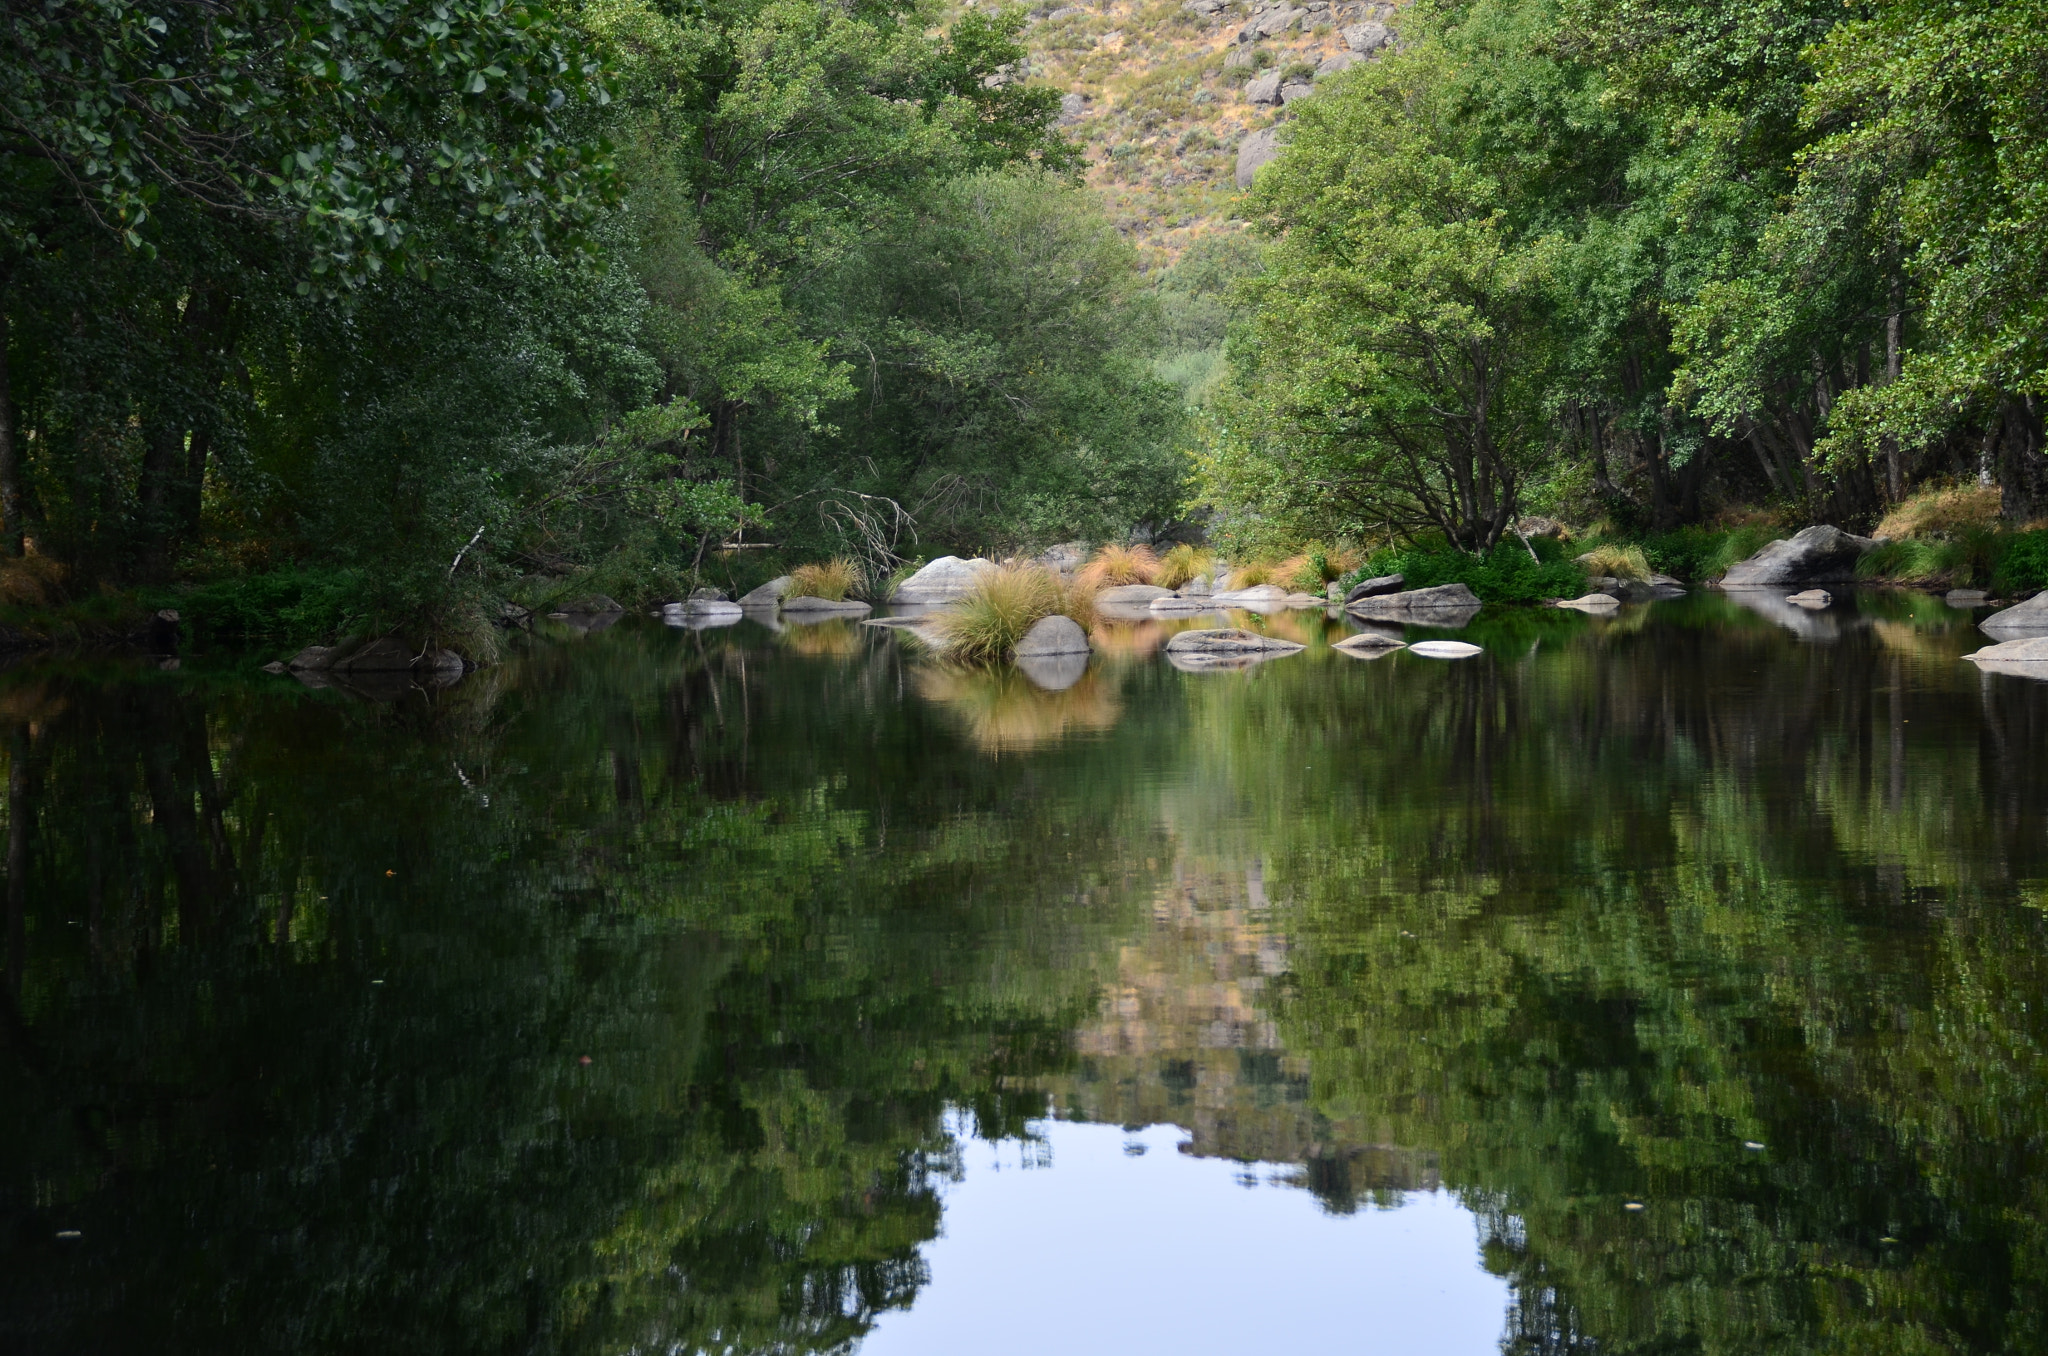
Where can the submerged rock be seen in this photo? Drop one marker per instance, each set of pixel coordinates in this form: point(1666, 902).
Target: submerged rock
point(1813, 555)
point(590, 605)
point(1443, 649)
point(1966, 597)
point(826, 607)
point(1814, 598)
point(2024, 619)
point(1369, 645)
point(1050, 636)
point(1592, 602)
point(1183, 604)
point(698, 615)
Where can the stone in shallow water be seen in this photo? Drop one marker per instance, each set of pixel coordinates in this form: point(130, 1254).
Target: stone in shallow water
point(1369, 645)
point(768, 595)
point(1592, 602)
point(1815, 598)
point(1051, 636)
point(826, 607)
point(1445, 600)
point(2024, 619)
point(1132, 593)
point(1229, 640)
point(1813, 555)
point(1443, 649)
point(1965, 597)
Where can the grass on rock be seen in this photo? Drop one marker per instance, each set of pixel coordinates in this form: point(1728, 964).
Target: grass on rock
point(985, 626)
point(832, 581)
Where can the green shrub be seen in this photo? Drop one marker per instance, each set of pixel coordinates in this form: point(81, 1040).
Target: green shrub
point(2024, 564)
point(1503, 575)
point(299, 604)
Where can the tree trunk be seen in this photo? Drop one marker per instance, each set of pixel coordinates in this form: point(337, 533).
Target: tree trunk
point(10, 475)
point(1894, 477)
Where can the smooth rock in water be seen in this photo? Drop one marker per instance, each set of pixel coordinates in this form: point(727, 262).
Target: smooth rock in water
point(768, 595)
point(1369, 645)
point(1444, 600)
point(1264, 90)
point(2032, 650)
point(1258, 595)
point(1965, 597)
point(1229, 641)
point(275, 666)
point(590, 605)
point(1305, 600)
point(942, 581)
point(1814, 598)
point(1665, 581)
point(1051, 636)
point(1256, 151)
point(1132, 593)
point(2022, 619)
point(384, 655)
point(1604, 583)
point(315, 658)
point(1592, 602)
point(836, 607)
point(1183, 604)
point(698, 615)
point(1443, 649)
point(1813, 555)
point(1375, 587)
point(1053, 672)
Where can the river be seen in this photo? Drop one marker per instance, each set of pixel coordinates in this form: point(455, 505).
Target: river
point(1654, 984)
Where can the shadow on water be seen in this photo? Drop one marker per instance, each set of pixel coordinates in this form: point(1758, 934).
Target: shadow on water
point(617, 997)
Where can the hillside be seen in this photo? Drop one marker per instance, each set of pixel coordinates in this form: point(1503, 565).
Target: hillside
point(1164, 95)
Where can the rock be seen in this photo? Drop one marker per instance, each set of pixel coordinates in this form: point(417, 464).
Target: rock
point(1198, 587)
point(1374, 587)
point(2024, 619)
point(1815, 598)
point(1229, 640)
point(1304, 600)
point(383, 655)
point(1333, 592)
point(316, 658)
point(1334, 63)
point(1256, 151)
point(942, 581)
point(1238, 56)
point(1604, 583)
point(768, 595)
point(1541, 529)
point(836, 607)
point(1814, 555)
point(275, 666)
point(1443, 649)
point(698, 615)
point(1050, 636)
point(1295, 90)
point(1592, 602)
point(1370, 644)
point(1369, 36)
point(1965, 597)
point(1445, 600)
point(1665, 581)
point(702, 595)
point(1179, 603)
point(1132, 593)
point(2031, 652)
point(1277, 21)
point(1643, 591)
point(1264, 90)
point(590, 605)
point(1074, 107)
point(1066, 557)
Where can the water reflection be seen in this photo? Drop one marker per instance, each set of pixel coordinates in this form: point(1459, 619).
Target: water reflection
point(656, 989)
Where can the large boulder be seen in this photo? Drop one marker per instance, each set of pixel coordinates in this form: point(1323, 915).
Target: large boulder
point(590, 605)
point(1295, 89)
point(2031, 650)
point(1813, 555)
point(1050, 636)
point(1257, 596)
point(1374, 587)
point(1367, 37)
point(1265, 89)
point(1230, 642)
point(2023, 619)
point(768, 595)
point(1256, 151)
point(1277, 21)
point(1452, 603)
point(825, 607)
point(944, 580)
point(1335, 63)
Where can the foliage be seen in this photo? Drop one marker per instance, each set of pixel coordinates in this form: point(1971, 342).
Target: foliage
point(1942, 511)
point(2024, 565)
point(1616, 561)
point(1504, 574)
point(833, 580)
point(1181, 564)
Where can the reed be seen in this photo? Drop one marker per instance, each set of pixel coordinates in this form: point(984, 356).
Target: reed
point(833, 580)
point(985, 626)
point(1182, 564)
point(1618, 562)
point(1114, 565)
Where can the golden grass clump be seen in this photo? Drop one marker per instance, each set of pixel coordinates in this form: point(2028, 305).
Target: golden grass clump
point(1618, 562)
point(1182, 564)
point(32, 581)
point(1315, 567)
point(985, 626)
point(1114, 565)
point(1943, 511)
point(1252, 575)
point(831, 581)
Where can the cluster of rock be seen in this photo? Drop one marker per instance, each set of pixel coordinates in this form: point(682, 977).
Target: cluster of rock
point(381, 666)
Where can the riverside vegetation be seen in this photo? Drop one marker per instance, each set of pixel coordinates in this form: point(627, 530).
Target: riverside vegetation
point(378, 323)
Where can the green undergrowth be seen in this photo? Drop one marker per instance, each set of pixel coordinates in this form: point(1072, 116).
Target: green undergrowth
point(1505, 574)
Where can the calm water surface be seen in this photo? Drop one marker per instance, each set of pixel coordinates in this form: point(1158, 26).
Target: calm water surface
point(1662, 984)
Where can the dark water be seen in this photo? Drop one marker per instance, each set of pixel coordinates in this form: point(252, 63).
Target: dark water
point(1655, 985)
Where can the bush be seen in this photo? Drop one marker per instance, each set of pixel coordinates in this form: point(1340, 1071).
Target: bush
point(1114, 565)
point(1943, 511)
point(2024, 564)
point(985, 626)
point(1617, 561)
point(831, 581)
point(299, 604)
point(1505, 574)
point(1696, 553)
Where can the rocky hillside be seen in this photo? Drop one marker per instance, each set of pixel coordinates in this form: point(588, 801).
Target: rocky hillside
point(1175, 101)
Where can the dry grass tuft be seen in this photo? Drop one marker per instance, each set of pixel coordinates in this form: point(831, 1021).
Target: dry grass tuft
point(985, 626)
point(1182, 564)
point(1618, 562)
point(832, 581)
point(32, 581)
point(1256, 573)
point(1114, 565)
point(1943, 511)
